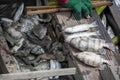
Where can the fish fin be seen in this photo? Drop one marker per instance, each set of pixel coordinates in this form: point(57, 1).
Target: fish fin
point(7, 20)
point(110, 46)
point(19, 12)
point(93, 24)
point(102, 66)
point(102, 51)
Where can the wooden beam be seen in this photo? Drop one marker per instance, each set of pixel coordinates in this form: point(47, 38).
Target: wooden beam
point(94, 3)
point(52, 9)
point(38, 74)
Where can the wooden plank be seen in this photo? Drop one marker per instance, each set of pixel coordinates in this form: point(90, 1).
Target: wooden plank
point(104, 74)
point(85, 72)
point(115, 70)
point(7, 63)
point(94, 3)
point(115, 13)
point(38, 74)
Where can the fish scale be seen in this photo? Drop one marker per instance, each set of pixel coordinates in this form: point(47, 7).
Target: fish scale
point(88, 44)
point(78, 28)
point(91, 59)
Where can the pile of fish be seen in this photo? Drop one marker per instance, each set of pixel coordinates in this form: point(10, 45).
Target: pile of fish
point(31, 44)
point(86, 39)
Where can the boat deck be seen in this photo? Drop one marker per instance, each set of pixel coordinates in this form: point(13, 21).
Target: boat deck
point(86, 72)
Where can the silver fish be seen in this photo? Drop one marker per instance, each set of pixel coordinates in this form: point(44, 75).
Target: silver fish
point(14, 33)
point(34, 49)
point(19, 44)
point(81, 27)
point(54, 65)
point(40, 31)
point(16, 62)
point(26, 25)
point(37, 50)
point(6, 20)
point(33, 18)
point(91, 59)
point(88, 44)
point(43, 65)
point(81, 34)
point(117, 2)
point(19, 12)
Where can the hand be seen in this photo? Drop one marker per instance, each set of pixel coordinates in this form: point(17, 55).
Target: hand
point(80, 6)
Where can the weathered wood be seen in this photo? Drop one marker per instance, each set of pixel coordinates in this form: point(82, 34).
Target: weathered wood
point(95, 4)
point(106, 74)
point(115, 70)
point(112, 71)
point(52, 9)
point(7, 63)
point(48, 11)
point(40, 7)
point(38, 74)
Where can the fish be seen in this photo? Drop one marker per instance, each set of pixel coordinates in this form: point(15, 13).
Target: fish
point(39, 31)
point(44, 65)
point(81, 27)
point(19, 12)
point(16, 62)
point(14, 33)
point(88, 44)
point(54, 65)
point(34, 49)
point(47, 18)
point(18, 45)
point(117, 2)
point(26, 25)
point(81, 34)
point(92, 59)
point(33, 18)
point(37, 50)
point(6, 20)
point(43, 57)
point(9, 39)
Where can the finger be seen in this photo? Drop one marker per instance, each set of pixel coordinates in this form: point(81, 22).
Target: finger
point(85, 10)
point(78, 15)
point(78, 11)
point(90, 11)
point(88, 4)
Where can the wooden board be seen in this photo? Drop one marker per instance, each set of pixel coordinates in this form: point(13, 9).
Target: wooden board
point(7, 63)
point(86, 72)
point(115, 15)
point(38, 74)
